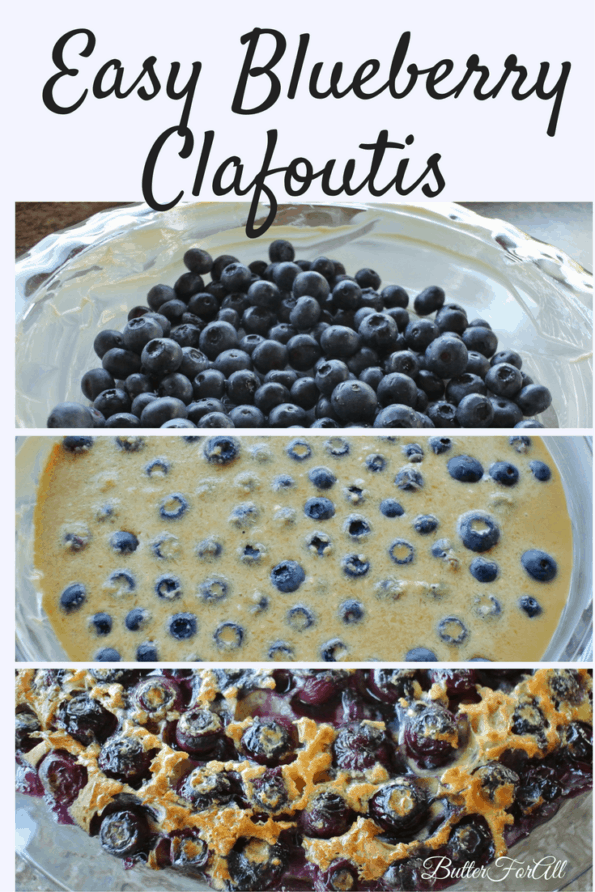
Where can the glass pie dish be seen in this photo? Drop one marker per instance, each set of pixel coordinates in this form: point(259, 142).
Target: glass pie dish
point(571, 641)
point(76, 282)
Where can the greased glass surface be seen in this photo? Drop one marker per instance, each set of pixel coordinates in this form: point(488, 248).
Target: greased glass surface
point(572, 456)
point(535, 297)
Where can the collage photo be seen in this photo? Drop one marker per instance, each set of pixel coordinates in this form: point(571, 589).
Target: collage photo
point(341, 638)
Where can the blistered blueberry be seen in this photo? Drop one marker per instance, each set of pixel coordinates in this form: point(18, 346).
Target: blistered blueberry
point(183, 626)
point(172, 507)
point(283, 481)
point(136, 619)
point(440, 445)
point(300, 618)
point(409, 480)
point(391, 508)
point(375, 462)
point(287, 576)
point(221, 450)
point(478, 531)
point(209, 549)
point(299, 450)
point(147, 653)
point(351, 611)
point(401, 552)
point(465, 469)
point(539, 565)
point(355, 566)
point(540, 471)
point(413, 452)
point(244, 515)
point(505, 473)
point(452, 630)
point(229, 636)
point(101, 623)
point(319, 509)
point(356, 526)
point(124, 542)
point(424, 524)
point(213, 589)
point(322, 478)
point(168, 587)
point(483, 571)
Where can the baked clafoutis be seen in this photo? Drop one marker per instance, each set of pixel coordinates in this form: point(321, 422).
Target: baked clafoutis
point(306, 548)
point(305, 779)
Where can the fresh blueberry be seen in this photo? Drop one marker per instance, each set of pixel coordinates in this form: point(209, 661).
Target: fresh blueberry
point(394, 296)
point(478, 531)
point(95, 382)
point(508, 356)
point(73, 597)
point(401, 552)
point(530, 606)
point(287, 576)
point(446, 356)
point(429, 300)
point(425, 524)
point(480, 339)
point(102, 623)
point(322, 478)
point(452, 630)
point(161, 356)
point(465, 469)
point(108, 339)
point(484, 571)
point(452, 319)
point(300, 618)
point(165, 408)
point(475, 410)
point(173, 506)
point(409, 480)
point(351, 611)
point(533, 399)
point(168, 588)
point(136, 619)
point(540, 470)
point(122, 363)
point(229, 636)
point(124, 542)
point(355, 566)
point(504, 380)
point(440, 445)
point(505, 473)
point(375, 462)
point(391, 508)
point(74, 414)
point(354, 401)
point(506, 413)
point(182, 626)
point(458, 388)
point(420, 655)
point(299, 450)
point(539, 565)
point(310, 284)
point(319, 509)
point(443, 414)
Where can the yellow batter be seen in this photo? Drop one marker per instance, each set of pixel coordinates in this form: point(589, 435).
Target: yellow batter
point(214, 565)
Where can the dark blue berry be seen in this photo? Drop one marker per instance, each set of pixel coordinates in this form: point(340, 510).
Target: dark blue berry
point(319, 509)
point(355, 566)
point(401, 552)
point(504, 380)
point(475, 410)
point(356, 526)
point(107, 655)
point(505, 473)
point(73, 597)
point(409, 480)
point(533, 399)
point(540, 470)
point(351, 611)
point(182, 626)
point(375, 462)
point(287, 576)
point(420, 655)
point(465, 469)
point(147, 653)
point(76, 415)
point(391, 508)
point(425, 524)
point(136, 619)
point(539, 565)
point(440, 445)
point(446, 356)
point(413, 452)
point(168, 587)
point(530, 606)
point(478, 531)
point(322, 478)
point(77, 445)
point(520, 444)
point(173, 506)
point(429, 300)
point(123, 542)
point(483, 571)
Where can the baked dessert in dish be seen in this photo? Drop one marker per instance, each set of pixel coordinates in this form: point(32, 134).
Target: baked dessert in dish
point(305, 779)
point(302, 548)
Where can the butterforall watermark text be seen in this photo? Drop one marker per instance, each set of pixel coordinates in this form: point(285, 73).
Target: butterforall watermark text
point(439, 867)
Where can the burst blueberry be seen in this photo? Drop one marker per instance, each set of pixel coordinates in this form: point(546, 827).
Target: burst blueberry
point(287, 576)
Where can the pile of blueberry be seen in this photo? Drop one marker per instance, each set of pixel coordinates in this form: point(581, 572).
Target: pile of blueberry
point(299, 343)
point(384, 725)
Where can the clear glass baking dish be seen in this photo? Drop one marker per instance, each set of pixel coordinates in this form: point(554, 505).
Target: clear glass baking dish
point(35, 639)
point(76, 862)
point(76, 282)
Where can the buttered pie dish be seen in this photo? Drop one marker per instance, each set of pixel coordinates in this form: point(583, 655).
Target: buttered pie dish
point(305, 548)
point(305, 779)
